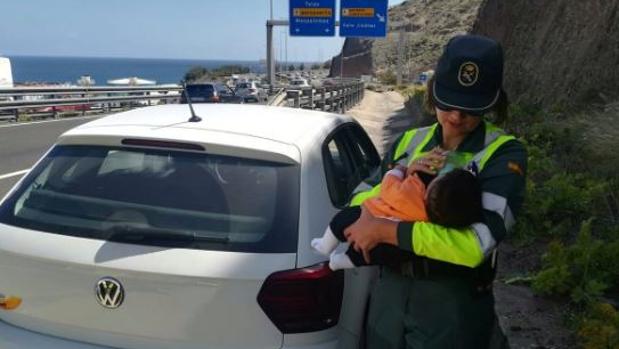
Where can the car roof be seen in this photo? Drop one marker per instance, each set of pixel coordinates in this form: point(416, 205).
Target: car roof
point(279, 124)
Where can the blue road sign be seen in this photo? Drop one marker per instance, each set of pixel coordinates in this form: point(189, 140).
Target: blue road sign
point(312, 17)
point(363, 18)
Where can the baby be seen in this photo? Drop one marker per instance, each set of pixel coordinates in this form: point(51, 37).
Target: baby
point(452, 199)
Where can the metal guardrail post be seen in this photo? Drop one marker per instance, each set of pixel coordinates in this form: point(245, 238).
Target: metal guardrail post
point(328, 98)
point(348, 98)
point(311, 98)
point(83, 107)
point(296, 95)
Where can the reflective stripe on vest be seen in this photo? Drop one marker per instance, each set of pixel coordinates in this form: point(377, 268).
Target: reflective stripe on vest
point(494, 138)
point(417, 143)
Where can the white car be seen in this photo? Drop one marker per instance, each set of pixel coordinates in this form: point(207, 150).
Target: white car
point(146, 230)
point(251, 91)
point(299, 83)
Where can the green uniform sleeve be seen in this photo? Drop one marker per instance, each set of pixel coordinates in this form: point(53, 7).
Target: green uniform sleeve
point(456, 246)
point(503, 184)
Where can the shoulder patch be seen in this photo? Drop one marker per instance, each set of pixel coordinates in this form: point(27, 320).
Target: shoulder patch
point(515, 168)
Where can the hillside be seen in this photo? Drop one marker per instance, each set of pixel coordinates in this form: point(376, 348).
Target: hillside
point(559, 53)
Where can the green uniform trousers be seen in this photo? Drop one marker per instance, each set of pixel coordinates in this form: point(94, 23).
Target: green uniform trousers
point(430, 313)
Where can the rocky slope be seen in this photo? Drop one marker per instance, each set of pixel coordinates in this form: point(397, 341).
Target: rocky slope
point(558, 53)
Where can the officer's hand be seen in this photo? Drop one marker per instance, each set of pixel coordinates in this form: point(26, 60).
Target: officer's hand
point(368, 231)
point(429, 163)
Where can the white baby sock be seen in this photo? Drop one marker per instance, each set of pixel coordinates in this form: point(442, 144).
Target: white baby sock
point(326, 244)
point(340, 261)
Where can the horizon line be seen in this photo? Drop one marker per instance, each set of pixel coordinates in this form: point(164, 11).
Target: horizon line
point(8, 55)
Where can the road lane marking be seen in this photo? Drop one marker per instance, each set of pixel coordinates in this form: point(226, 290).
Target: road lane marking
point(48, 121)
point(13, 174)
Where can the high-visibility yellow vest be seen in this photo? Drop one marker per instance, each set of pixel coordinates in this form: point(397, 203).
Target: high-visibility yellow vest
point(413, 142)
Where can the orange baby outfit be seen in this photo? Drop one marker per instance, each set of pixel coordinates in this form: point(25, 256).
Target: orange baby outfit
point(400, 198)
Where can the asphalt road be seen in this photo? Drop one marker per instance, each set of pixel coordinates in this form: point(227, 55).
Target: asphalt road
point(21, 145)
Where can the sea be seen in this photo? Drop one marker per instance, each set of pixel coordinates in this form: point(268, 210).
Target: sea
point(40, 69)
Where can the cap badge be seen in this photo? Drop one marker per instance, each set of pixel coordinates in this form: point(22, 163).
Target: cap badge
point(468, 74)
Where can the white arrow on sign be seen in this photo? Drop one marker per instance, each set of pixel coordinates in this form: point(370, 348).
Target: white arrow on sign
point(381, 18)
point(297, 30)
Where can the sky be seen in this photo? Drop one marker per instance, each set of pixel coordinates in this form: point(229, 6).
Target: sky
point(182, 29)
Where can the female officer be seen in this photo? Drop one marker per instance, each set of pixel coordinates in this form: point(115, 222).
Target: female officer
point(443, 297)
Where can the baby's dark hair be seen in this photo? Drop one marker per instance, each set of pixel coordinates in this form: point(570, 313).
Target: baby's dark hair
point(455, 200)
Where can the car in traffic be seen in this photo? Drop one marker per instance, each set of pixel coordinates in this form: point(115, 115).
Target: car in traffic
point(299, 83)
point(251, 91)
point(210, 92)
point(154, 229)
point(64, 108)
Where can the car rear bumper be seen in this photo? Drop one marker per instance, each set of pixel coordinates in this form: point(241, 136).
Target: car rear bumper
point(13, 337)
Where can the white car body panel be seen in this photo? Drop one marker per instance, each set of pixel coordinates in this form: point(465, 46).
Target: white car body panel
point(225, 283)
point(155, 275)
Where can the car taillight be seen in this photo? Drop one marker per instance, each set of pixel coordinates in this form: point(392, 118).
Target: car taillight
point(215, 99)
point(303, 300)
point(252, 90)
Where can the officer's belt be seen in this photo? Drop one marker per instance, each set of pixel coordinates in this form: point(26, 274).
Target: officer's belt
point(421, 267)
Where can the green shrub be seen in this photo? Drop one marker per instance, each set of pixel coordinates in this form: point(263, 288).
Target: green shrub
point(600, 327)
point(582, 270)
point(387, 77)
point(556, 202)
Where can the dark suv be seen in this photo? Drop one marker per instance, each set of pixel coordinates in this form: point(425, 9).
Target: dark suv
point(210, 92)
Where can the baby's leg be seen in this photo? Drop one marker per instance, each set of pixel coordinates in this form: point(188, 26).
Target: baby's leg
point(335, 231)
point(345, 260)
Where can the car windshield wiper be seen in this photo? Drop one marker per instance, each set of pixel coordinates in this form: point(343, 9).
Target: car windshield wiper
point(132, 233)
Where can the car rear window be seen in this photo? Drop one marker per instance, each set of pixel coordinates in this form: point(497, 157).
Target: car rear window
point(200, 90)
point(160, 197)
point(244, 85)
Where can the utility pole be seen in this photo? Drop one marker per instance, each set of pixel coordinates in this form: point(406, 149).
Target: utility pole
point(342, 64)
point(270, 60)
point(342, 61)
point(270, 65)
point(400, 70)
point(270, 55)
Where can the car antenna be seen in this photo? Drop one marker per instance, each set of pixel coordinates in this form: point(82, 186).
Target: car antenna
point(194, 117)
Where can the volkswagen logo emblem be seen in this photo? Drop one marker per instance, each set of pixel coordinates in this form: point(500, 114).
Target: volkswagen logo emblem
point(109, 293)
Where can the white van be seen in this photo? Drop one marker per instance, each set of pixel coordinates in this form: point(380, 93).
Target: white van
point(6, 74)
point(6, 79)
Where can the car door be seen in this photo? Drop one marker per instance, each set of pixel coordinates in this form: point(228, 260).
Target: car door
point(349, 157)
point(226, 94)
